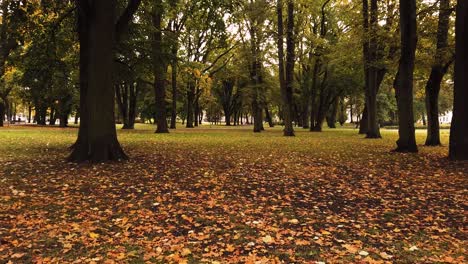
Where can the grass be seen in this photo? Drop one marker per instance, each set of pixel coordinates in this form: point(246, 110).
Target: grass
point(213, 193)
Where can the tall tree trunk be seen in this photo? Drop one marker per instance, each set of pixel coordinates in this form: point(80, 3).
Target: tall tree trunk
point(268, 117)
point(332, 113)
point(371, 127)
point(190, 101)
point(227, 117)
point(52, 116)
point(174, 87)
point(256, 79)
point(196, 108)
point(322, 106)
point(132, 104)
point(364, 124)
point(29, 113)
point(8, 110)
point(77, 116)
point(200, 120)
point(342, 111)
point(63, 120)
point(364, 121)
point(458, 149)
point(306, 112)
point(121, 94)
point(313, 95)
point(41, 115)
point(97, 139)
point(257, 116)
point(439, 69)
point(286, 75)
point(2, 112)
point(404, 86)
point(159, 68)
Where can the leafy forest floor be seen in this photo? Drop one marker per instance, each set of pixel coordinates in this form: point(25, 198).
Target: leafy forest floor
point(218, 195)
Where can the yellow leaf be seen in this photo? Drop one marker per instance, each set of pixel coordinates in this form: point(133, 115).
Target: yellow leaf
point(230, 248)
point(185, 252)
point(121, 256)
point(294, 221)
point(93, 235)
point(268, 239)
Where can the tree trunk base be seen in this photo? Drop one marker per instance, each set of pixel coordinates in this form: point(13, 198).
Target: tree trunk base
point(373, 135)
point(99, 151)
point(460, 156)
point(432, 144)
point(406, 150)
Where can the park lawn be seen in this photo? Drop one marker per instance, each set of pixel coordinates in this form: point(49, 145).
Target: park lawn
point(215, 195)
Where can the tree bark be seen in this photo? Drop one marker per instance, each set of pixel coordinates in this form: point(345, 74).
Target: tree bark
point(2, 112)
point(404, 85)
point(439, 69)
point(257, 116)
point(174, 87)
point(363, 123)
point(121, 94)
point(313, 94)
point(342, 111)
point(97, 137)
point(371, 127)
point(190, 101)
point(196, 108)
point(52, 116)
point(29, 113)
point(286, 75)
point(159, 69)
point(458, 149)
point(332, 113)
point(268, 117)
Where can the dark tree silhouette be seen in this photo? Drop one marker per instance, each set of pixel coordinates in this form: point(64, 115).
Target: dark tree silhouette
point(439, 69)
point(160, 69)
point(404, 81)
point(286, 72)
point(98, 31)
point(458, 149)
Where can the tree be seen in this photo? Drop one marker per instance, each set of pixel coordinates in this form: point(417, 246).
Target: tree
point(458, 149)
point(404, 80)
point(97, 31)
point(14, 16)
point(286, 74)
point(442, 61)
point(159, 68)
point(372, 82)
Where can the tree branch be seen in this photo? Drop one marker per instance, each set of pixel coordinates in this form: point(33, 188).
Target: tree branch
point(122, 23)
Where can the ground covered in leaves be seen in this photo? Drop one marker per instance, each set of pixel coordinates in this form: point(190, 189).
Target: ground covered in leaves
point(226, 195)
